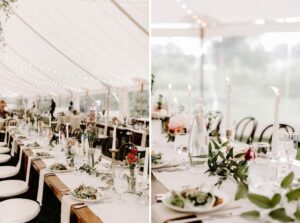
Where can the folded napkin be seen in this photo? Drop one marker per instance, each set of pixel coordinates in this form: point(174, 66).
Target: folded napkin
point(169, 166)
point(40, 192)
point(66, 204)
point(13, 148)
point(162, 214)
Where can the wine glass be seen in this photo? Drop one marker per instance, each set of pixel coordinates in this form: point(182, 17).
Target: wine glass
point(295, 137)
point(120, 181)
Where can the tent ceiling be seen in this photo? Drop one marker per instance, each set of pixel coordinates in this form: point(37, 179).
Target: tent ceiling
point(64, 46)
point(231, 14)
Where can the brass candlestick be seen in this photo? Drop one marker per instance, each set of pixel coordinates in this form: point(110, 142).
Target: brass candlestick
point(113, 156)
point(228, 136)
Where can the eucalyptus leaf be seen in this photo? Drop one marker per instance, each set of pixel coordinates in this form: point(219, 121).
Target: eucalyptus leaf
point(280, 215)
point(215, 144)
point(239, 155)
point(260, 200)
point(297, 213)
point(275, 200)
point(287, 181)
point(250, 215)
point(293, 195)
point(242, 191)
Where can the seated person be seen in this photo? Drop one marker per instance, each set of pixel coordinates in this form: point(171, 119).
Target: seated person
point(3, 113)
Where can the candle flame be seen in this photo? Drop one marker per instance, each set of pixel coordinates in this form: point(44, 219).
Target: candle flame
point(276, 90)
point(170, 86)
point(228, 80)
point(190, 87)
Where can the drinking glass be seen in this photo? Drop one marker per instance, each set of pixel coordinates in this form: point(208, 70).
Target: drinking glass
point(181, 143)
point(285, 156)
point(295, 137)
point(261, 172)
point(120, 181)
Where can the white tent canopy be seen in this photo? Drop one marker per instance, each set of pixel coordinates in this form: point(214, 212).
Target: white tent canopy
point(63, 47)
point(224, 18)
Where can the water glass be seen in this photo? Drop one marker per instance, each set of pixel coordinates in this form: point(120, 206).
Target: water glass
point(120, 181)
point(181, 143)
point(261, 172)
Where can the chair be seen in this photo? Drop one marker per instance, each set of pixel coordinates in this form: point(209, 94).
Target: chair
point(124, 150)
point(285, 127)
point(77, 133)
point(107, 144)
point(18, 210)
point(245, 130)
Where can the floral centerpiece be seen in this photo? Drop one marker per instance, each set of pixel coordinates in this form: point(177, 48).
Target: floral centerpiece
point(177, 124)
point(132, 161)
point(70, 154)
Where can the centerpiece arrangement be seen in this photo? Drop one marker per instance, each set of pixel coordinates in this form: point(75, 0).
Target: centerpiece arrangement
point(132, 161)
point(178, 124)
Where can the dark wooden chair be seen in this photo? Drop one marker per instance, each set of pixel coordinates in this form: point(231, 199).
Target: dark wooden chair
point(106, 145)
point(245, 130)
point(263, 138)
point(77, 133)
point(216, 126)
point(124, 150)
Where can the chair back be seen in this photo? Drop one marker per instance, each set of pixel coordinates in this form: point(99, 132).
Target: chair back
point(245, 130)
point(267, 134)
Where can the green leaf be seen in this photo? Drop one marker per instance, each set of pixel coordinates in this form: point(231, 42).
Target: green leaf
point(229, 154)
point(250, 215)
point(215, 144)
point(280, 215)
point(242, 191)
point(275, 200)
point(224, 144)
point(219, 140)
point(293, 195)
point(297, 213)
point(287, 181)
point(260, 200)
point(239, 155)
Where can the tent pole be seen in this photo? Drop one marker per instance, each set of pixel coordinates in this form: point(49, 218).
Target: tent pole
point(130, 17)
point(141, 99)
point(202, 58)
point(107, 105)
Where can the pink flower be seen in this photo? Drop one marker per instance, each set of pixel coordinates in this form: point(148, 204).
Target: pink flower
point(178, 121)
point(249, 155)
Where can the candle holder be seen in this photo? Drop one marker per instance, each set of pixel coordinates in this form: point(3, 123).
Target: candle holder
point(228, 137)
point(113, 156)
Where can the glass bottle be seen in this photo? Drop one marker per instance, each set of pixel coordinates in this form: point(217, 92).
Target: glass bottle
point(198, 140)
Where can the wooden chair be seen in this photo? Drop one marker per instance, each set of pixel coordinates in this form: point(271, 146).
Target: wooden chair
point(287, 128)
point(124, 150)
point(245, 130)
point(77, 133)
point(106, 145)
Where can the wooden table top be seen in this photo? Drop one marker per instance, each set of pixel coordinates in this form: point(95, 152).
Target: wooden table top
point(84, 215)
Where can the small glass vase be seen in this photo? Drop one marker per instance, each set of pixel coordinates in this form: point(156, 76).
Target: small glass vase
point(131, 181)
point(91, 157)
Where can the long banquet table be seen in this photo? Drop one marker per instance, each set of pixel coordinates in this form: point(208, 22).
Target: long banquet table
point(162, 182)
point(60, 183)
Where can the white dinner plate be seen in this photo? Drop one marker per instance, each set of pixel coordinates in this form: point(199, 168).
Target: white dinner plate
point(202, 209)
point(100, 197)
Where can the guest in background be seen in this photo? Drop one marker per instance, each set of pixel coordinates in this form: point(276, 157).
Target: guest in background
point(3, 113)
point(52, 109)
point(71, 107)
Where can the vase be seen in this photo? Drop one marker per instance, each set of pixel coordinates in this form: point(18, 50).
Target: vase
point(131, 179)
point(91, 157)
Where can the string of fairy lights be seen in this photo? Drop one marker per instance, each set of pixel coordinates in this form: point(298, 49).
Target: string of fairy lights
point(32, 72)
point(193, 14)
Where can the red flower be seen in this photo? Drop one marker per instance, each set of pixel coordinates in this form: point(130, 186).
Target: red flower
point(249, 154)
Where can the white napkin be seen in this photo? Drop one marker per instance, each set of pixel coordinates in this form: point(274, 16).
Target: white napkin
point(160, 213)
point(169, 166)
point(13, 148)
point(66, 203)
point(39, 198)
